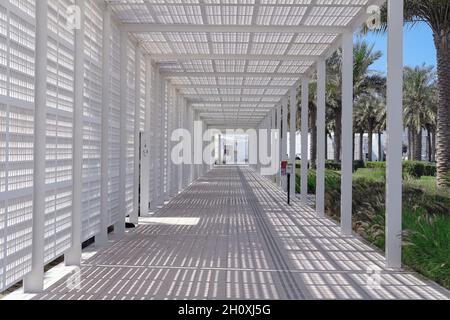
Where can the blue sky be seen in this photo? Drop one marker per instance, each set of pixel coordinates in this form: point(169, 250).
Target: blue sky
point(418, 43)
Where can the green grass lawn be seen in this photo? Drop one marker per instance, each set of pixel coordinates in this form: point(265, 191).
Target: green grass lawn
point(377, 175)
point(429, 183)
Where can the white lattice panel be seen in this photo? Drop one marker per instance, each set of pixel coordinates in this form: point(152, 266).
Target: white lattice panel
point(114, 128)
point(130, 139)
point(92, 119)
point(16, 138)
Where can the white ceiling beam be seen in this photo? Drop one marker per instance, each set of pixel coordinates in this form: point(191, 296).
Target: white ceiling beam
point(152, 27)
point(223, 103)
point(231, 74)
point(218, 95)
point(225, 86)
point(268, 57)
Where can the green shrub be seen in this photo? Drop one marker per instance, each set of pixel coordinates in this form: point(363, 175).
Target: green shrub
point(375, 165)
point(426, 218)
point(371, 174)
point(428, 248)
point(415, 169)
point(336, 166)
point(358, 164)
point(332, 165)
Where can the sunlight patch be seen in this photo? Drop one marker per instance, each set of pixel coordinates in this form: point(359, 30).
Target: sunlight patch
point(170, 221)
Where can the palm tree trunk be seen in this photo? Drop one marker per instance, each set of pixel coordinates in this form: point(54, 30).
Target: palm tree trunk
point(442, 43)
point(410, 144)
point(353, 149)
point(417, 136)
point(361, 146)
point(433, 144)
point(313, 150)
point(380, 152)
point(338, 137)
point(370, 149)
point(430, 146)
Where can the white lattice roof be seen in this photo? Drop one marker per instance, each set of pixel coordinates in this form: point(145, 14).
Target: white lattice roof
point(236, 59)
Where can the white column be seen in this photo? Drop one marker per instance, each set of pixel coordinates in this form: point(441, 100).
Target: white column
point(395, 135)
point(284, 156)
point(134, 216)
point(146, 138)
point(119, 227)
point(292, 138)
point(73, 255)
point(305, 139)
point(273, 126)
point(180, 113)
point(191, 130)
point(34, 281)
point(168, 162)
point(186, 166)
point(280, 142)
point(285, 127)
point(197, 146)
point(162, 116)
point(155, 140)
point(347, 134)
point(175, 126)
point(320, 183)
point(101, 239)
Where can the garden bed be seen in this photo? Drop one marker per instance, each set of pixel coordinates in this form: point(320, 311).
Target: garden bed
point(426, 217)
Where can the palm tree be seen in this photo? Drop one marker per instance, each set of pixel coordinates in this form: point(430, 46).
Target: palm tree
point(436, 13)
point(367, 111)
point(430, 124)
point(312, 121)
point(381, 127)
point(418, 97)
point(364, 80)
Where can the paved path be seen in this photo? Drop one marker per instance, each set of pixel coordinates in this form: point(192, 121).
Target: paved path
point(230, 235)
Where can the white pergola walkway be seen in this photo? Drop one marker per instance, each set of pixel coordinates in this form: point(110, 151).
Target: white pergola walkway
point(76, 101)
point(231, 235)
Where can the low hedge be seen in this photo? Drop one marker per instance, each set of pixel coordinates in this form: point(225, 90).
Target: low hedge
point(334, 165)
point(415, 169)
point(371, 194)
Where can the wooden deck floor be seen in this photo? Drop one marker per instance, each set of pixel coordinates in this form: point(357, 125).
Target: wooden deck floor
point(231, 235)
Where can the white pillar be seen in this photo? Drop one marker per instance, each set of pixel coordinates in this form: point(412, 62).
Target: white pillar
point(168, 162)
point(181, 116)
point(186, 165)
point(347, 134)
point(101, 239)
point(134, 216)
point(162, 137)
point(292, 138)
point(191, 130)
point(198, 141)
point(395, 135)
point(320, 183)
point(155, 140)
point(34, 281)
point(119, 227)
point(280, 142)
point(146, 138)
point(285, 126)
point(273, 126)
point(284, 140)
point(305, 138)
point(73, 255)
